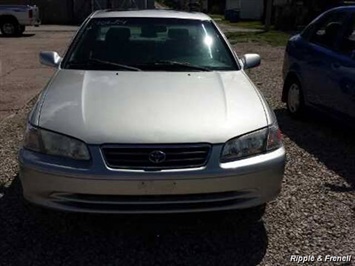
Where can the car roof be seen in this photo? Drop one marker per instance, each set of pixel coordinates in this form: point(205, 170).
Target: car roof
point(347, 8)
point(150, 13)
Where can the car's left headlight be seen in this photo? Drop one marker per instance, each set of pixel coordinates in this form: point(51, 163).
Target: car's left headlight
point(51, 143)
point(254, 143)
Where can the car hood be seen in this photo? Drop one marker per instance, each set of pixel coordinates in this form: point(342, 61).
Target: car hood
point(151, 107)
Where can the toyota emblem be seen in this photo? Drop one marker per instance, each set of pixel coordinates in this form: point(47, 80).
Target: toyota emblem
point(157, 157)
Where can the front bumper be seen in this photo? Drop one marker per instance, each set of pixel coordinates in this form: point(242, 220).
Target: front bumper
point(68, 185)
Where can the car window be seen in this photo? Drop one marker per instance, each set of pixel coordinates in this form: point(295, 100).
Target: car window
point(150, 44)
point(327, 31)
point(347, 42)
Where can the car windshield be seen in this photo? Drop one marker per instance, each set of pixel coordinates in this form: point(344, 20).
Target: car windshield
point(150, 44)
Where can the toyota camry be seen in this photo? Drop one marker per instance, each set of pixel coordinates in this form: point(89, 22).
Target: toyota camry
point(151, 112)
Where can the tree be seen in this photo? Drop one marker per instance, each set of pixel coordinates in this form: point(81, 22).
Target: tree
point(268, 14)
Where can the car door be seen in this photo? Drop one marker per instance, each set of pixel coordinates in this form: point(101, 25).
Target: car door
point(321, 60)
point(344, 70)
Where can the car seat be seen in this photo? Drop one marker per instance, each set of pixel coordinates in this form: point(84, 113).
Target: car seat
point(177, 45)
point(117, 44)
point(331, 32)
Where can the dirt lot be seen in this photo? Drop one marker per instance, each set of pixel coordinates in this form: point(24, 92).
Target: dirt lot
point(314, 214)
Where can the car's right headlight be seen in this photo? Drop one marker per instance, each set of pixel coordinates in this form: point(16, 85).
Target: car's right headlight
point(251, 144)
point(48, 142)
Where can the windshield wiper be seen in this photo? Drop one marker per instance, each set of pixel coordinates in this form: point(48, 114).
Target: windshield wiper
point(176, 63)
point(95, 60)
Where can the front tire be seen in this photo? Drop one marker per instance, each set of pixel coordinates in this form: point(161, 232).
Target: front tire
point(9, 28)
point(294, 99)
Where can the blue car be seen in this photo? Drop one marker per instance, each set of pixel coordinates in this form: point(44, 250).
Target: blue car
point(319, 66)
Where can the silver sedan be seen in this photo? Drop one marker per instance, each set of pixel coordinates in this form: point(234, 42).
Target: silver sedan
point(151, 111)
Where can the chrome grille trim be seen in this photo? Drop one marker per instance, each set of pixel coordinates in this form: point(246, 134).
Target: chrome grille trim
point(136, 157)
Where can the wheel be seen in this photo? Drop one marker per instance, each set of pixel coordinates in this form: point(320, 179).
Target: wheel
point(9, 28)
point(295, 100)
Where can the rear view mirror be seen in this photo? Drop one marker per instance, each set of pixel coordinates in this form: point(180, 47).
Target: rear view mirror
point(51, 59)
point(161, 28)
point(251, 60)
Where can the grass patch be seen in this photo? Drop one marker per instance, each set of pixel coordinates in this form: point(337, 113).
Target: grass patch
point(248, 24)
point(274, 38)
point(217, 16)
point(257, 25)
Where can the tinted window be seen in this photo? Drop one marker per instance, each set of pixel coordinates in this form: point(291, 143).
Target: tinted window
point(150, 44)
point(327, 31)
point(347, 42)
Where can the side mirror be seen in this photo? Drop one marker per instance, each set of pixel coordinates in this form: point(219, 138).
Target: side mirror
point(251, 60)
point(51, 59)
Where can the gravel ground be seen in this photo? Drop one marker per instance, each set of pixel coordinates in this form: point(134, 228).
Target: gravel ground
point(21, 75)
point(314, 215)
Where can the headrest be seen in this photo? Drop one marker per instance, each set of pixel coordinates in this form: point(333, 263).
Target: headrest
point(118, 34)
point(333, 28)
point(148, 32)
point(178, 34)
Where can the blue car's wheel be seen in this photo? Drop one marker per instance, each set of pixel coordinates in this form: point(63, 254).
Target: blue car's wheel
point(294, 100)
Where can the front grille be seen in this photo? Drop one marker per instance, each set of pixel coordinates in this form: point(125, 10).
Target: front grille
point(154, 158)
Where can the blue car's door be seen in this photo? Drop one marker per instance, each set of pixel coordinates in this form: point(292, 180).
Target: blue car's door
point(344, 69)
point(344, 76)
point(321, 62)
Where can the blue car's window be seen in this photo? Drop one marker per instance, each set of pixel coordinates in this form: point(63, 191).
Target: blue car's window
point(347, 43)
point(151, 44)
point(327, 31)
